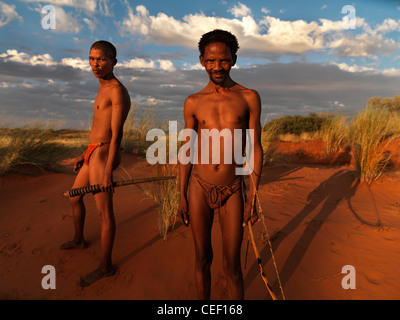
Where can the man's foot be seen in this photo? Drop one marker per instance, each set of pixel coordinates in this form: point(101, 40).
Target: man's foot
point(74, 245)
point(94, 276)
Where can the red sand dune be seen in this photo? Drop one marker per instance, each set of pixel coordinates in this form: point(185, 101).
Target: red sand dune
point(319, 217)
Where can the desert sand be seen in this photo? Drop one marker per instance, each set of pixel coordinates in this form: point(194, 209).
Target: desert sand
point(320, 218)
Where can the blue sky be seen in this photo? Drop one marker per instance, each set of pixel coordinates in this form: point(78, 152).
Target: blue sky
point(296, 54)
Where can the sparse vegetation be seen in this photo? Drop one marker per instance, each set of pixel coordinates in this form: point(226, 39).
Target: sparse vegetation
point(390, 104)
point(135, 130)
point(370, 132)
point(333, 133)
point(298, 124)
point(367, 134)
point(166, 195)
point(35, 146)
point(267, 136)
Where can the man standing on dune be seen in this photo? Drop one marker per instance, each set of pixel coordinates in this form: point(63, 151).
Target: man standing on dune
point(222, 105)
point(102, 157)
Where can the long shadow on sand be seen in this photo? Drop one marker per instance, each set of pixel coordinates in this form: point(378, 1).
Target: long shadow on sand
point(341, 186)
point(144, 246)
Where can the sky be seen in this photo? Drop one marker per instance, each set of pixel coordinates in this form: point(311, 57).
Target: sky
point(301, 56)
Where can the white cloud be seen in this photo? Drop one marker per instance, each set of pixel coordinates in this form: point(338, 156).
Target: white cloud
point(81, 64)
point(367, 44)
point(66, 23)
point(103, 6)
point(388, 25)
point(43, 60)
point(137, 23)
point(338, 104)
point(196, 66)
point(270, 36)
point(265, 10)
point(7, 14)
point(392, 72)
point(354, 68)
point(91, 24)
point(166, 65)
point(240, 10)
point(22, 57)
point(76, 63)
point(86, 5)
point(138, 63)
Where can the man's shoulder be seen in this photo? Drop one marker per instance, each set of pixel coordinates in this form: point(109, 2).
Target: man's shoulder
point(118, 88)
point(193, 98)
point(244, 90)
point(248, 93)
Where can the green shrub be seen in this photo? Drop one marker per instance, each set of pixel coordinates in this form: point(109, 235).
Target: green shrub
point(297, 124)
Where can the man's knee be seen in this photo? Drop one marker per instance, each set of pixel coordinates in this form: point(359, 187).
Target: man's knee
point(106, 214)
point(204, 259)
point(232, 268)
point(76, 201)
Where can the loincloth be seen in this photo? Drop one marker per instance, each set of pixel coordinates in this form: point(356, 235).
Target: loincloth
point(218, 195)
point(91, 148)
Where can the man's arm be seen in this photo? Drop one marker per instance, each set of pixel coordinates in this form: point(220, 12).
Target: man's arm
point(254, 102)
point(185, 169)
point(117, 123)
point(79, 162)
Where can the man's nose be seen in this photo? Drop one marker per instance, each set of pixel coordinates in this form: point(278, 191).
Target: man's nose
point(217, 66)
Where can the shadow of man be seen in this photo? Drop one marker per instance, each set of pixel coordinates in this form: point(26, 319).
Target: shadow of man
point(341, 186)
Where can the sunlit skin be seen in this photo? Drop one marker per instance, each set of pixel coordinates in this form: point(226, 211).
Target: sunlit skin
point(111, 108)
point(222, 104)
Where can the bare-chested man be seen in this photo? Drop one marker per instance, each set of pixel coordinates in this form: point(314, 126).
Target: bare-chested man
point(222, 104)
point(102, 157)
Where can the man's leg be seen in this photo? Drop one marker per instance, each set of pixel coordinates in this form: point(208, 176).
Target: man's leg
point(78, 211)
point(201, 220)
point(231, 219)
point(104, 205)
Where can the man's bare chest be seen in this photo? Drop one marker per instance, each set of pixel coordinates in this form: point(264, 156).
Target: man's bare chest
point(102, 101)
point(225, 112)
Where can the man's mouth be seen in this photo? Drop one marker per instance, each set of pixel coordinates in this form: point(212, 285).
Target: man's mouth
point(219, 74)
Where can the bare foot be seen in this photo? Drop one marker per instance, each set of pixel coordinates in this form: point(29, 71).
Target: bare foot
point(94, 276)
point(74, 245)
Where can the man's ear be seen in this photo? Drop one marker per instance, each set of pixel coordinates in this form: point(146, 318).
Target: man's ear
point(115, 61)
point(234, 59)
point(201, 57)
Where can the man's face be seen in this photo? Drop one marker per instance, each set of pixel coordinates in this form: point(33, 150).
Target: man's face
point(217, 61)
point(101, 63)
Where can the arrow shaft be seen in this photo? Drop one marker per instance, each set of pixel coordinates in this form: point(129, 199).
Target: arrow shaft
point(97, 187)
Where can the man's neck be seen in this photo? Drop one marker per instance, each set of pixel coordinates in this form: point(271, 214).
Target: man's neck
point(107, 79)
point(226, 85)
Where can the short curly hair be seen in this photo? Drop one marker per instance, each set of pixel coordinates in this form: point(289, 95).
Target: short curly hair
point(218, 35)
point(107, 47)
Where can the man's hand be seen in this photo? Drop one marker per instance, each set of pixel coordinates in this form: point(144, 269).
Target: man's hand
point(249, 214)
point(78, 164)
point(107, 183)
point(183, 211)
